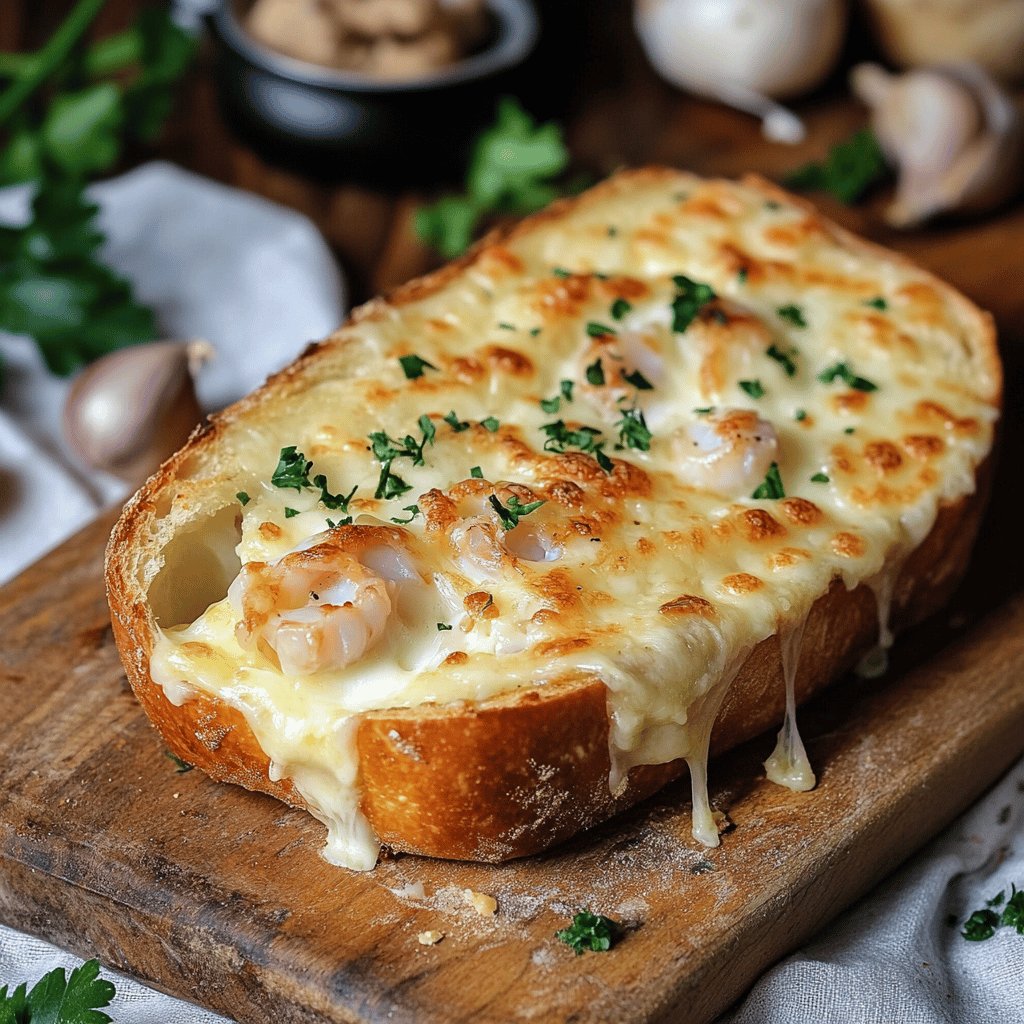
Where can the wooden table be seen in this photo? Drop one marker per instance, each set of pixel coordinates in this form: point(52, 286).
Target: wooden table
point(191, 905)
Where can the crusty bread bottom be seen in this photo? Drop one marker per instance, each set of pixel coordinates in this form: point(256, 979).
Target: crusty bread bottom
point(517, 774)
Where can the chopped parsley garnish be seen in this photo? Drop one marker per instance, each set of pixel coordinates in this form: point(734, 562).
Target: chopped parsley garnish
point(534, 331)
point(849, 430)
point(982, 924)
point(847, 376)
point(490, 424)
point(566, 387)
point(848, 171)
point(180, 768)
point(243, 498)
point(638, 380)
point(290, 513)
point(413, 510)
point(819, 478)
point(505, 326)
point(877, 303)
point(551, 404)
point(704, 410)
point(561, 272)
point(612, 230)
point(386, 449)
point(620, 307)
point(794, 314)
point(511, 513)
point(390, 485)
point(598, 330)
point(633, 432)
point(60, 999)
point(413, 366)
point(691, 297)
point(293, 472)
point(742, 274)
point(444, 627)
point(772, 487)
point(595, 373)
point(754, 388)
point(784, 359)
point(771, 204)
point(477, 473)
point(560, 437)
point(455, 423)
point(589, 931)
point(800, 415)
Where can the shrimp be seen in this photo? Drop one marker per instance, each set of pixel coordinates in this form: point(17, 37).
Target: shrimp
point(617, 360)
point(728, 452)
point(320, 607)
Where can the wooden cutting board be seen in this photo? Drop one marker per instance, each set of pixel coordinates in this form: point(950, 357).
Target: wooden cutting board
point(220, 896)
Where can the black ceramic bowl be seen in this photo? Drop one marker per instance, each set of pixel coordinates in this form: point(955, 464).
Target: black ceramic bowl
point(341, 125)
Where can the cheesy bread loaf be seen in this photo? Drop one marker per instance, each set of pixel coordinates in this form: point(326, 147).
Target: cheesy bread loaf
point(524, 540)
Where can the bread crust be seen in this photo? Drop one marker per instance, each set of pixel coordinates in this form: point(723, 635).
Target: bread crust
point(513, 775)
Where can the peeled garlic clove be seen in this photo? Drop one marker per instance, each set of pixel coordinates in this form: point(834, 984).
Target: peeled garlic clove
point(130, 410)
point(954, 136)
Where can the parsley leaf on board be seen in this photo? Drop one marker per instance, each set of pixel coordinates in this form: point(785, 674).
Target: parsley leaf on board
point(848, 171)
point(60, 999)
point(513, 169)
point(589, 931)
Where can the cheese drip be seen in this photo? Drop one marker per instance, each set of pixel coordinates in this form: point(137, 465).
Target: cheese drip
point(788, 764)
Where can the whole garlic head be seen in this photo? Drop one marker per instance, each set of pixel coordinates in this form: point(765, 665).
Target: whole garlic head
point(777, 49)
point(955, 137)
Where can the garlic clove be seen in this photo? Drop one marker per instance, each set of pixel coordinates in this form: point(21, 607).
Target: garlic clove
point(130, 410)
point(955, 137)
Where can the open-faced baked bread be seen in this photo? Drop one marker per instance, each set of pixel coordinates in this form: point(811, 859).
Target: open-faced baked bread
point(744, 428)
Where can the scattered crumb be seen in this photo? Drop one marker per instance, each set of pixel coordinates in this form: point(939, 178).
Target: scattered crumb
point(723, 821)
point(430, 938)
point(483, 903)
point(410, 891)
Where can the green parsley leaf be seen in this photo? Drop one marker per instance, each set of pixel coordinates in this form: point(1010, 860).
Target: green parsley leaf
point(819, 478)
point(290, 513)
point(598, 330)
point(561, 272)
point(848, 171)
point(490, 424)
point(413, 366)
point(413, 510)
point(800, 415)
point(784, 359)
point(794, 314)
point(180, 768)
point(511, 514)
point(754, 388)
point(444, 627)
point(981, 925)
point(292, 469)
point(620, 307)
point(849, 430)
point(595, 373)
point(513, 169)
point(565, 387)
point(560, 438)
point(691, 297)
point(847, 376)
point(633, 432)
point(1013, 912)
point(742, 274)
point(612, 231)
point(772, 487)
point(477, 473)
point(333, 501)
point(455, 423)
point(243, 498)
point(704, 411)
point(389, 485)
point(877, 303)
point(507, 326)
point(60, 999)
point(551, 404)
point(589, 931)
point(638, 380)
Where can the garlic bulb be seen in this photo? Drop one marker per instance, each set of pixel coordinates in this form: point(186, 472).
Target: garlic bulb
point(955, 137)
point(745, 52)
point(130, 410)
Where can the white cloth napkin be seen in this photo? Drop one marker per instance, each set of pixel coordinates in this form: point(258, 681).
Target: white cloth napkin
point(253, 278)
point(258, 282)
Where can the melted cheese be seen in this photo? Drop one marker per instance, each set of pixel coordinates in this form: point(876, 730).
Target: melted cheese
point(635, 577)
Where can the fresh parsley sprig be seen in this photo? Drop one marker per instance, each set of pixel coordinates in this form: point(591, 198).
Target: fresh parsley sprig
point(67, 112)
point(386, 449)
point(590, 931)
point(998, 912)
point(292, 472)
point(59, 999)
point(560, 438)
point(514, 169)
point(511, 513)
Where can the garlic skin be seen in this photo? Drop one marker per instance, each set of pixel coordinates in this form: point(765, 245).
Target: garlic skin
point(955, 137)
point(745, 52)
point(127, 412)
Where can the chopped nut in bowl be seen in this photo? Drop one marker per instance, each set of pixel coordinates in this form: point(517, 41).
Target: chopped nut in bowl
point(376, 89)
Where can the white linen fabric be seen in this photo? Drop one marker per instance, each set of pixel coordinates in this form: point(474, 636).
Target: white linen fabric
point(251, 277)
point(258, 281)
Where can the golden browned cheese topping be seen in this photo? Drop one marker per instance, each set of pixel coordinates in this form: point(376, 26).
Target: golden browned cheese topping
point(627, 443)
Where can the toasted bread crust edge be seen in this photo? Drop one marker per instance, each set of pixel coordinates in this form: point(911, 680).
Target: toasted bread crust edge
point(514, 775)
